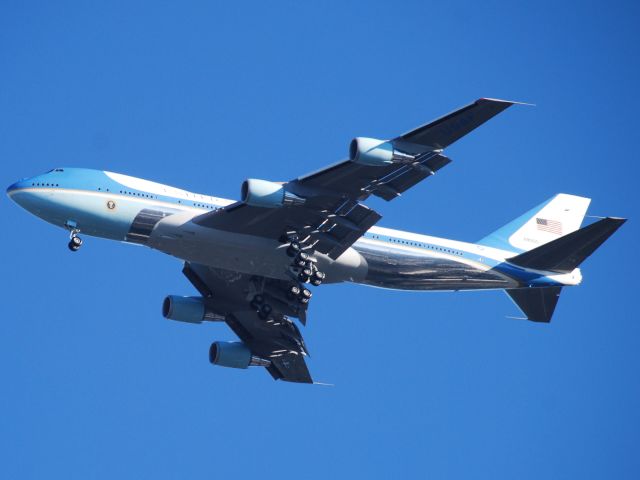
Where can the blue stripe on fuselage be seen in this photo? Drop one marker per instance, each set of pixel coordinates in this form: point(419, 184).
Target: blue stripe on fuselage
point(82, 179)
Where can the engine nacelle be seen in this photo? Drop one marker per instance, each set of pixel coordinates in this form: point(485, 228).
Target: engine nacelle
point(375, 153)
point(261, 193)
point(234, 355)
point(187, 309)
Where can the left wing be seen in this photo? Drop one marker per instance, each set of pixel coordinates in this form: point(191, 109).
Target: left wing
point(324, 209)
point(275, 340)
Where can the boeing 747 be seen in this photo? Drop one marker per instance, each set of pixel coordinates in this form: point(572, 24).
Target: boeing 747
point(253, 260)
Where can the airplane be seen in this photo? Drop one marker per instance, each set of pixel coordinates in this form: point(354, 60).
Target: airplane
point(252, 261)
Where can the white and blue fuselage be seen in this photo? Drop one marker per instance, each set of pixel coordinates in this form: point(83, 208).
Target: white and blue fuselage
point(129, 209)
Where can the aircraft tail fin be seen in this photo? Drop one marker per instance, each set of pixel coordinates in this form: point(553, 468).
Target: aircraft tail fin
point(567, 252)
point(536, 303)
point(558, 216)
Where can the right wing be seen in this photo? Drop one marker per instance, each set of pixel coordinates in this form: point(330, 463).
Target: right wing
point(275, 339)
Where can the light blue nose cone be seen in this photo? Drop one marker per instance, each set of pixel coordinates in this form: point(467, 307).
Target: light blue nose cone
point(15, 186)
point(25, 198)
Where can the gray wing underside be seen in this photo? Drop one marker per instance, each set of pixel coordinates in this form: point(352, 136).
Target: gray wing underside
point(337, 218)
point(335, 221)
point(450, 128)
point(277, 338)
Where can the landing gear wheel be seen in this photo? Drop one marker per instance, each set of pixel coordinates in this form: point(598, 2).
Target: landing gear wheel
point(265, 311)
point(75, 243)
point(257, 301)
point(302, 260)
point(305, 295)
point(294, 291)
point(303, 278)
point(293, 249)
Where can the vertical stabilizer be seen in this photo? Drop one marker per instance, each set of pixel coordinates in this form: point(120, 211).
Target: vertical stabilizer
point(549, 221)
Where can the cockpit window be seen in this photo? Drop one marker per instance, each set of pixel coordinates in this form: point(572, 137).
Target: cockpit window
point(58, 169)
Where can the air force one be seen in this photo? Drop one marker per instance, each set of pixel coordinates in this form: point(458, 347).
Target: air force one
point(252, 260)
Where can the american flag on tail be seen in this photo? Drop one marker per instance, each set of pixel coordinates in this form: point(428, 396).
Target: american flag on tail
point(551, 226)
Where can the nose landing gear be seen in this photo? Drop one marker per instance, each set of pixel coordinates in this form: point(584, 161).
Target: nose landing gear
point(75, 242)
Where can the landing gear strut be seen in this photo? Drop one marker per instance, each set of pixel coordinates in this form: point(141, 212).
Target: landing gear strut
point(75, 242)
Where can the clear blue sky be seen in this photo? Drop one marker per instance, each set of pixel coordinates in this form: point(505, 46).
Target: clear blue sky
point(200, 95)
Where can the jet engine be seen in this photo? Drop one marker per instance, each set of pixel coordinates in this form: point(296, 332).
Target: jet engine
point(376, 153)
point(187, 309)
point(234, 355)
point(261, 193)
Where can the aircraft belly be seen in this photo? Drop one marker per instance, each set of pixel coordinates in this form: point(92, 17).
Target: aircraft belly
point(405, 270)
point(177, 235)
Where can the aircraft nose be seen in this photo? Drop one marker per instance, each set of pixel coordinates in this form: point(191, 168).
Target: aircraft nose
point(20, 184)
point(16, 192)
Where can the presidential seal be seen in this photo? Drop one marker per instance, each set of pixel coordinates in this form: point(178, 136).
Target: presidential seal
point(111, 205)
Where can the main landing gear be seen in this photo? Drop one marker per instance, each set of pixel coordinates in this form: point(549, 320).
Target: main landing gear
point(303, 266)
point(302, 270)
point(75, 242)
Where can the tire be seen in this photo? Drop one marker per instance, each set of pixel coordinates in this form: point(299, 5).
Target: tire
point(72, 247)
point(259, 299)
point(306, 293)
point(294, 291)
point(266, 309)
point(303, 278)
point(319, 275)
point(316, 282)
point(256, 302)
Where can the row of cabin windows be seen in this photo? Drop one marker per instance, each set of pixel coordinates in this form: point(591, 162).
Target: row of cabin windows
point(202, 205)
point(45, 185)
point(145, 195)
point(422, 245)
point(124, 192)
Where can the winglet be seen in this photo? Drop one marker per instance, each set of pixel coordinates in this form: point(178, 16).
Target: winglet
point(510, 102)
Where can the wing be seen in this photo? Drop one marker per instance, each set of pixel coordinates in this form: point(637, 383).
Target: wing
point(327, 213)
point(275, 339)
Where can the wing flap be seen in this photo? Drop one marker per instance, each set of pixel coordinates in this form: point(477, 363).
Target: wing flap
point(410, 175)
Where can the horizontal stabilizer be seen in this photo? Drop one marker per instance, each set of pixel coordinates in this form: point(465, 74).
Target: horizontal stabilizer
point(567, 252)
point(537, 304)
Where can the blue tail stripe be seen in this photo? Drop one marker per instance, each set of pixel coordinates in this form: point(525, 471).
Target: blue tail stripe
point(500, 238)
